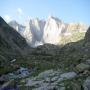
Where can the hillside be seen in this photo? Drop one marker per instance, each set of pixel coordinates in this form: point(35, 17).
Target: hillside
point(12, 44)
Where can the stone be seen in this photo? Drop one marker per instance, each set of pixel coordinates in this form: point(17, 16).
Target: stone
point(82, 66)
point(59, 80)
point(54, 78)
point(47, 79)
point(45, 74)
point(12, 61)
point(30, 82)
point(23, 72)
point(86, 84)
point(68, 75)
point(88, 61)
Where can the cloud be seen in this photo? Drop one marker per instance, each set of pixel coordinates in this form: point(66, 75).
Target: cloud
point(19, 11)
point(7, 18)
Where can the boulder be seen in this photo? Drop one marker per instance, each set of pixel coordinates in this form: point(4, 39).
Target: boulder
point(88, 61)
point(86, 84)
point(68, 75)
point(45, 74)
point(82, 66)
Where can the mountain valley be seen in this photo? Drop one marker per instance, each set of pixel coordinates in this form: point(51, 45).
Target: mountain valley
point(52, 64)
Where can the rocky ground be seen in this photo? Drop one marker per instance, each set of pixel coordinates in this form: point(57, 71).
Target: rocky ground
point(53, 79)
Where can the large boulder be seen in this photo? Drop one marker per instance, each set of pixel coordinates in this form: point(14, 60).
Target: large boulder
point(86, 84)
point(82, 66)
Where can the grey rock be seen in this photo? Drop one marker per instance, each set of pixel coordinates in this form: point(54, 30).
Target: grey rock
point(23, 71)
point(68, 75)
point(54, 78)
point(45, 74)
point(31, 82)
point(47, 79)
point(88, 61)
point(82, 66)
point(86, 84)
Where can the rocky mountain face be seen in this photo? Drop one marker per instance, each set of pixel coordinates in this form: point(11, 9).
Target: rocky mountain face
point(11, 42)
point(34, 31)
point(53, 30)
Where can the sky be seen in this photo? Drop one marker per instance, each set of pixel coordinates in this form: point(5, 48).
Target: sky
point(66, 10)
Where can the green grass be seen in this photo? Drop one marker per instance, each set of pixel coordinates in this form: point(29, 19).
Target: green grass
point(6, 69)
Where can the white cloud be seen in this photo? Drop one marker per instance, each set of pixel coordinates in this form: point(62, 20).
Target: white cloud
point(19, 11)
point(7, 18)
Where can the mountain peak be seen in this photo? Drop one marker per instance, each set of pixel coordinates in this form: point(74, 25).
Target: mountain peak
point(54, 18)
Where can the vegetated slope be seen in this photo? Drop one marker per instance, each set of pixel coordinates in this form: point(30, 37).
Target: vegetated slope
point(12, 44)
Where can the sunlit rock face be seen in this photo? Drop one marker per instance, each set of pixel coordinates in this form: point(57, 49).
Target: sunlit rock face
point(38, 32)
point(74, 27)
point(53, 28)
point(27, 33)
point(34, 31)
point(36, 27)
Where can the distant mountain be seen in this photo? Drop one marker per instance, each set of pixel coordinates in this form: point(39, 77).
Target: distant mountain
point(34, 31)
point(11, 42)
point(16, 26)
point(53, 30)
point(80, 27)
point(67, 66)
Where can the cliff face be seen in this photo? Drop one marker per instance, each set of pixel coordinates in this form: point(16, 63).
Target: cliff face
point(34, 31)
point(53, 30)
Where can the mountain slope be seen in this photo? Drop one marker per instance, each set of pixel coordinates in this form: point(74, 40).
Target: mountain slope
point(12, 44)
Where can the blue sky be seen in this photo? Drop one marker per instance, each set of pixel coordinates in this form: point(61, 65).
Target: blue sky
point(66, 10)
